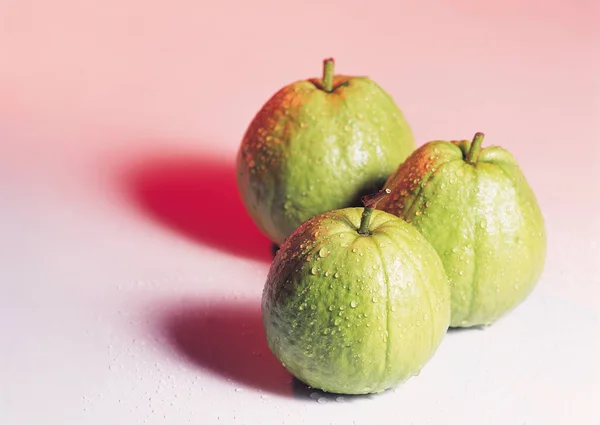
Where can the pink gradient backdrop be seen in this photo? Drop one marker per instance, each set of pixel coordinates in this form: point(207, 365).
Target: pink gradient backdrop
point(119, 124)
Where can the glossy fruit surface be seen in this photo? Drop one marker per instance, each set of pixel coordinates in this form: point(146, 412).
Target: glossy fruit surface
point(479, 213)
point(355, 302)
point(318, 145)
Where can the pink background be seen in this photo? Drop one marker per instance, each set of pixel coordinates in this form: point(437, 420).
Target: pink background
point(122, 237)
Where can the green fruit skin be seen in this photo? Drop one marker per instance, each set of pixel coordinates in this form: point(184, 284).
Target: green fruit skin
point(355, 314)
point(483, 220)
point(308, 151)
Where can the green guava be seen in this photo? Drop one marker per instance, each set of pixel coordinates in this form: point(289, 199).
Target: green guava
point(479, 213)
point(356, 301)
point(318, 145)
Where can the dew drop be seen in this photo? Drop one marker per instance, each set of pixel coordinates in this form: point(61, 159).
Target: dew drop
point(353, 303)
point(336, 275)
point(314, 270)
point(323, 252)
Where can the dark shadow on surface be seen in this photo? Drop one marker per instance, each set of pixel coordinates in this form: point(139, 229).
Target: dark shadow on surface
point(305, 392)
point(228, 340)
point(198, 198)
point(472, 328)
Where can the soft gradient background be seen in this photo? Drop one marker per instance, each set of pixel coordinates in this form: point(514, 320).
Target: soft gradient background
point(130, 275)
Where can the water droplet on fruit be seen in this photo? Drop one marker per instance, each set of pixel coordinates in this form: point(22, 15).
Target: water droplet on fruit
point(314, 270)
point(354, 250)
point(375, 266)
point(331, 308)
point(483, 224)
point(336, 275)
point(353, 303)
point(374, 299)
point(323, 252)
point(303, 124)
point(326, 331)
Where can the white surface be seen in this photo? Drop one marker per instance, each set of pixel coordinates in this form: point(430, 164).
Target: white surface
point(116, 310)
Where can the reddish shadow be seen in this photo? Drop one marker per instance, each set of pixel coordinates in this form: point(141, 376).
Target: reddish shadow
point(228, 339)
point(198, 197)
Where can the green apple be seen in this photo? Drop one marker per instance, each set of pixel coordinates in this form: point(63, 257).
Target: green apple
point(356, 301)
point(318, 145)
point(479, 213)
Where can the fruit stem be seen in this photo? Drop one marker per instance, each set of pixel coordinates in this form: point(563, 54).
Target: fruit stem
point(328, 75)
point(365, 221)
point(475, 148)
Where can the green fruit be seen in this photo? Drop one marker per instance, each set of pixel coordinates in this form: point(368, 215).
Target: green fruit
point(355, 304)
point(318, 145)
point(477, 210)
